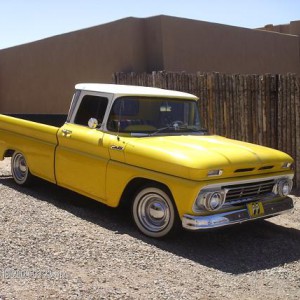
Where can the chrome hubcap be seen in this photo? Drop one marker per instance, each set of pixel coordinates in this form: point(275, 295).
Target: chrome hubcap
point(154, 212)
point(23, 167)
point(20, 169)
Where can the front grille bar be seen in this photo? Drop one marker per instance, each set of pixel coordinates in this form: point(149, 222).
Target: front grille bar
point(246, 192)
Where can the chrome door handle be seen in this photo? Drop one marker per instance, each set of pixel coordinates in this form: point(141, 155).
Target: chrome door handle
point(66, 132)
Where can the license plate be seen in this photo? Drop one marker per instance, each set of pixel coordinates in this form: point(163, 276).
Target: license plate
point(255, 209)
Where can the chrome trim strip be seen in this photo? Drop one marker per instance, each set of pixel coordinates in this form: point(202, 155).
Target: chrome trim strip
point(245, 181)
point(237, 216)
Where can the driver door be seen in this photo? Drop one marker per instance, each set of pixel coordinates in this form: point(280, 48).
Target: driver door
point(81, 157)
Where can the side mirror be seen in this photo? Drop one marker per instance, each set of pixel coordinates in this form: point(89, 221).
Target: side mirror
point(93, 123)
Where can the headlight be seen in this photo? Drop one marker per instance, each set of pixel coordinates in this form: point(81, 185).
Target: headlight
point(214, 201)
point(283, 187)
point(287, 165)
point(210, 200)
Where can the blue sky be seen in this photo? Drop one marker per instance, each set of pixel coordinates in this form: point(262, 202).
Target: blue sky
point(23, 21)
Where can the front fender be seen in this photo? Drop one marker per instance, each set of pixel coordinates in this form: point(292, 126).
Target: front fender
point(119, 175)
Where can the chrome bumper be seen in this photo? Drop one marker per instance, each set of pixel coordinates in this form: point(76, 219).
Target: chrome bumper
point(237, 216)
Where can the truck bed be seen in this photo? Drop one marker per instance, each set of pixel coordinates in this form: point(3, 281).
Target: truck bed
point(56, 120)
point(36, 140)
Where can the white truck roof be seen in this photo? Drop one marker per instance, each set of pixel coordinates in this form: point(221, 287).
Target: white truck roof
point(122, 90)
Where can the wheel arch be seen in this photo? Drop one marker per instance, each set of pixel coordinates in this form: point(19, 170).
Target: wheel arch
point(136, 184)
point(9, 153)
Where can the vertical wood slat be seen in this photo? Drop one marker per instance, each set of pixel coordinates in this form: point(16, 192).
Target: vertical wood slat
point(245, 108)
point(236, 113)
point(232, 108)
point(279, 115)
point(226, 106)
point(256, 106)
point(283, 114)
point(273, 116)
point(253, 108)
point(293, 116)
point(267, 112)
point(287, 140)
point(297, 130)
point(259, 110)
point(264, 109)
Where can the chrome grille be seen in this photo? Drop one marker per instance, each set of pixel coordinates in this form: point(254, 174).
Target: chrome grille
point(236, 194)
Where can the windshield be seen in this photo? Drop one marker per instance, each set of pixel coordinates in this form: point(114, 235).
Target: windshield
point(153, 116)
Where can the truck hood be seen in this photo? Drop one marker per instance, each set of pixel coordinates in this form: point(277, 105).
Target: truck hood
point(192, 157)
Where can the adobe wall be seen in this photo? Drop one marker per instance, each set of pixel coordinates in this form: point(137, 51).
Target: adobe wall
point(292, 28)
point(39, 77)
point(195, 45)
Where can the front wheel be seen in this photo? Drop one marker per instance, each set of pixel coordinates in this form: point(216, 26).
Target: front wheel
point(154, 212)
point(19, 169)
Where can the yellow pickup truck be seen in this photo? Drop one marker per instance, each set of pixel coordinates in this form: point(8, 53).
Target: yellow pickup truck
point(146, 146)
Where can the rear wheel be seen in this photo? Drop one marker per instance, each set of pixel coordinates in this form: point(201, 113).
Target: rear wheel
point(19, 169)
point(154, 212)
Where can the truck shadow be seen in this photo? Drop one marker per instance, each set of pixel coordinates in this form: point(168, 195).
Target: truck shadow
point(236, 250)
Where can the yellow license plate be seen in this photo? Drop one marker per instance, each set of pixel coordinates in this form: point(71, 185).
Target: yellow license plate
point(255, 209)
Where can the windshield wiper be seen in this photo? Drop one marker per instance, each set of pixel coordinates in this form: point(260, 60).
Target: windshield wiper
point(160, 129)
point(179, 129)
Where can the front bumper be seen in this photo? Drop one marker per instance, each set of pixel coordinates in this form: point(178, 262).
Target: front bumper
point(237, 216)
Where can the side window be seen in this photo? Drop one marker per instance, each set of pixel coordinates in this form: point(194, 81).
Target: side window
point(91, 107)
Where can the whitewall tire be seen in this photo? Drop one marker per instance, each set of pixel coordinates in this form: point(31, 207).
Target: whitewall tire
point(153, 212)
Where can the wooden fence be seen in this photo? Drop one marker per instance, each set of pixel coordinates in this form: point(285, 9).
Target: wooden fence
point(262, 109)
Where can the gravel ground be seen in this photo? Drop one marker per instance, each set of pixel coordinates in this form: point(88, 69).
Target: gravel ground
point(57, 244)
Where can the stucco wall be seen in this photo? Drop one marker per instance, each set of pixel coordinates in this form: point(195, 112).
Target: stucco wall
point(39, 77)
point(194, 45)
point(292, 28)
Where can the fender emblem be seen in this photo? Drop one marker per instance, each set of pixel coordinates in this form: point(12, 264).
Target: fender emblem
point(118, 148)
